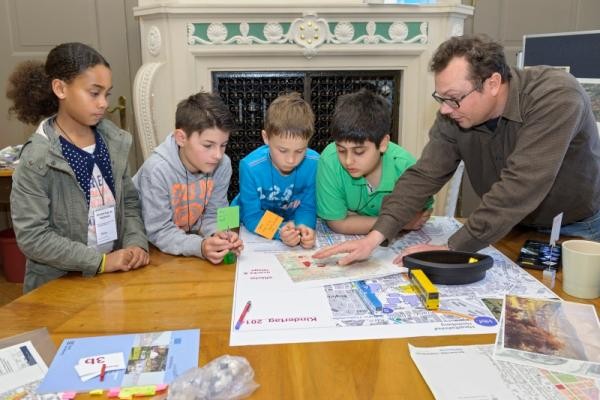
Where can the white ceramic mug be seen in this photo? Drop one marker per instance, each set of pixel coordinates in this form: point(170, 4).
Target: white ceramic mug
point(581, 268)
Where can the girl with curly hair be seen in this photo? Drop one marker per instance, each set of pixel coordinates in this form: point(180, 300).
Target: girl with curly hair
point(73, 204)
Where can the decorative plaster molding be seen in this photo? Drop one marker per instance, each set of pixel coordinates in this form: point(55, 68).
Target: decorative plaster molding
point(217, 32)
point(153, 41)
point(457, 29)
point(309, 32)
point(143, 106)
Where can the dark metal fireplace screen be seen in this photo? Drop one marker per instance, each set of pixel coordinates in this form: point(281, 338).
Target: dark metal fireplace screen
point(248, 95)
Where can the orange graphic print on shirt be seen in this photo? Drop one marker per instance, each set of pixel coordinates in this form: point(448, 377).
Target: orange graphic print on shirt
point(193, 198)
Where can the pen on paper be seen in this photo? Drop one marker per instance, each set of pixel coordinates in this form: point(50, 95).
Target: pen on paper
point(243, 315)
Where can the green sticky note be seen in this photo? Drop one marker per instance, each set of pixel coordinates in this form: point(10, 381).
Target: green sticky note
point(228, 217)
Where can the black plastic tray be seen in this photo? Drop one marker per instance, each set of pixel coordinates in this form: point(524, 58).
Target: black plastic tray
point(447, 267)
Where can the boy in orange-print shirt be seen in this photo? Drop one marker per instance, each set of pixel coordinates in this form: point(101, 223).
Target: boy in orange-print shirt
point(185, 181)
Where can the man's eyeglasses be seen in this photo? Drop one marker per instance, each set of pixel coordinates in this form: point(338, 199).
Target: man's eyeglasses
point(454, 103)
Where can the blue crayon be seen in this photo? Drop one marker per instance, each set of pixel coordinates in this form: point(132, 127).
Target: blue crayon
point(369, 298)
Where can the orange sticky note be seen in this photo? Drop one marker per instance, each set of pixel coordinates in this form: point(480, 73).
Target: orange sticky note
point(268, 224)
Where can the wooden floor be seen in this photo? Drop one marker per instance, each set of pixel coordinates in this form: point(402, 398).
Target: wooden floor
point(8, 290)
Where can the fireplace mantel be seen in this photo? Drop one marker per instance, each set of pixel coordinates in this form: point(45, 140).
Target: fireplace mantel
point(183, 42)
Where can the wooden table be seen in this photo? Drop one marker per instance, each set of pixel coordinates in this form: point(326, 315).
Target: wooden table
point(183, 293)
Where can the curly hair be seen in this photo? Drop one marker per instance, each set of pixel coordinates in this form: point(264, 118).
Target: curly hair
point(30, 84)
point(484, 56)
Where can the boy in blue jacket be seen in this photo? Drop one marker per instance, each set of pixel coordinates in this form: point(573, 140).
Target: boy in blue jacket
point(280, 176)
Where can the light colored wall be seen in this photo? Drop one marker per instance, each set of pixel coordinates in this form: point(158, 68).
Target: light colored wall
point(30, 28)
point(508, 20)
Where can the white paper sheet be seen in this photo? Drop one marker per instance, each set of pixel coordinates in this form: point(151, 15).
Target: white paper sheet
point(471, 373)
point(21, 368)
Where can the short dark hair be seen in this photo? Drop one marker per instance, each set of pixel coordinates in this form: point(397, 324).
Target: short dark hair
point(290, 115)
point(360, 116)
point(484, 55)
point(30, 84)
point(203, 111)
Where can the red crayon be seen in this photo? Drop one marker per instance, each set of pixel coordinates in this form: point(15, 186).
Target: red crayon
point(243, 315)
point(102, 372)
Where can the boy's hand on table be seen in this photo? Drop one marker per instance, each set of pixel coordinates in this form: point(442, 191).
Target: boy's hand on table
point(289, 234)
point(307, 237)
point(215, 247)
point(237, 245)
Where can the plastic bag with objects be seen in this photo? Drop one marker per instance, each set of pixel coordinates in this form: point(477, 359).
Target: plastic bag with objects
point(224, 378)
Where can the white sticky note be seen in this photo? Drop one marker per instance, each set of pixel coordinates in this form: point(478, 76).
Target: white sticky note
point(556, 222)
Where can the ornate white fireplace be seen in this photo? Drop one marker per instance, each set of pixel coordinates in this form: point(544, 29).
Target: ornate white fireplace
point(183, 42)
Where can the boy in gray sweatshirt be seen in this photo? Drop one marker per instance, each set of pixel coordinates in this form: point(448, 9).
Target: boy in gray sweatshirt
point(185, 180)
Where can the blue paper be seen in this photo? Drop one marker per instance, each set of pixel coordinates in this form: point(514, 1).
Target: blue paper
point(151, 358)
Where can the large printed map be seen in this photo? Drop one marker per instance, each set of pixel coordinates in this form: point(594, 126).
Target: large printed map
point(285, 312)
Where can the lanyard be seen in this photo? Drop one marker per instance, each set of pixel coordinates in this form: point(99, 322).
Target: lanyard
point(98, 185)
point(370, 197)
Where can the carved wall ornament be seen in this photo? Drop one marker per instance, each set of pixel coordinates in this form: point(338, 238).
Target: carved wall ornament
point(217, 32)
point(398, 31)
point(309, 32)
point(273, 32)
point(153, 41)
point(457, 29)
point(343, 32)
point(144, 108)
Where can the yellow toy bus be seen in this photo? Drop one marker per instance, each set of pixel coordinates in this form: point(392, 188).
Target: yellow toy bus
point(425, 289)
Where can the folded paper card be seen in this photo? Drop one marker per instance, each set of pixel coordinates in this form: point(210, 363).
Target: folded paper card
point(91, 367)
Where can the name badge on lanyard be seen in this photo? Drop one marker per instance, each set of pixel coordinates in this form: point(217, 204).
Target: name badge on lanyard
point(104, 217)
point(106, 224)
